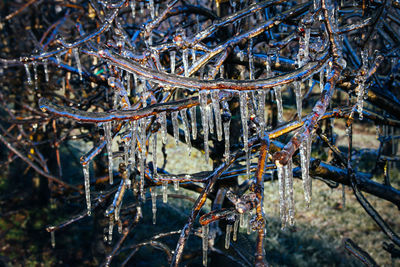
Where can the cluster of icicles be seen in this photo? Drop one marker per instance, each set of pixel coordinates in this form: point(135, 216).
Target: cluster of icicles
point(135, 144)
point(210, 116)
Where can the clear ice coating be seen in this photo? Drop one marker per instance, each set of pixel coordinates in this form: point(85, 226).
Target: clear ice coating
point(241, 220)
point(282, 194)
point(154, 155)
point(204, 234)
point(228, 235)
point(217, 113)
point(108, 135)
point(186, 129)
point(154, 204)
point(192, 111)
point(165, 191)
point(28, 74)
point(289, 192)
point(305, 151)
point(172, 56)
point(297, 91)
point(87, 187)
point(46, 71)
point(279, 104)
point(163, 122)
point(204, 121)
point(244, 116)
point(78, 61)
point(175, 125)
point(185, 59)
point(235, 230)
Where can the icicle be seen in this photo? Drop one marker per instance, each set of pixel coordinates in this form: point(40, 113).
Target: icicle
point(141, 5)
point(142, 158)
point(282, 195)
point(210, 119)
point(321, 79)
point(53, 239)
point(128, 84)
point(155, 155)
point(361, 85)
point(135, 81)
point(193, 56)
point(244, 117)
point(107, 132)
point(221, 72)
point(317, 4)
point(110, 230)
point(204, 235)
point(251, 59)
point(217, 113)
point(35, 74)
point(186, 129)
point(261, 111)
point(28, 74)
point(78, 62)
point(132, 156)
point(289, 191)
point(154, 204)
point(235, 230)
point(165, 191)
point(241, 55)
point(192, 111)
point(268, 66)
point(172, 56)
point(133, 8)
point(278, 96)
point(185, 59)
point(163, 122)
point(119, 227)
point(204, 121)
point(227, 141)
point(87, 187)
point(343, 196)
point(176, 185)
point(174, 116)
point(152, 9)
point(241, 220)
point(46, 71)
point(248, 225)
point(228, 235)
point(297, 90)
point(304, 158)
point(306, 44)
